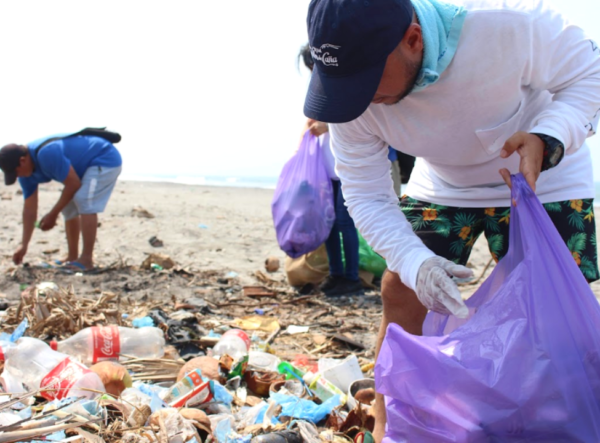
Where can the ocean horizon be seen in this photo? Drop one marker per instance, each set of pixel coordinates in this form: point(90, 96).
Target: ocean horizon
point(204, 180)
point(236, 181)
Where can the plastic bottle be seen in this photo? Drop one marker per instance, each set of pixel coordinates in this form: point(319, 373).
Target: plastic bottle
point(322, 388)
point(263, 361)
point(6, 348)
point(99, 343)
point(189, 388)
point(11, 384)
point(37, 366)
point(234, 343)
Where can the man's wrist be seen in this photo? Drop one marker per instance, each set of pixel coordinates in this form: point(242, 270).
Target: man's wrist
point(554, 151)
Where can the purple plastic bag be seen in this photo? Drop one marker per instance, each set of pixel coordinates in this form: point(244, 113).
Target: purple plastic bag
point(302, 206)
point(524, 367)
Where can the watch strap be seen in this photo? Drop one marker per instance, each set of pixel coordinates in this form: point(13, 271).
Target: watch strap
point(554, 151)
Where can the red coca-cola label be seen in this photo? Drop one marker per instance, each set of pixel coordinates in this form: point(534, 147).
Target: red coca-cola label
point(58, 382)
point(241, 334)
point(1, 354)
point(107, 343)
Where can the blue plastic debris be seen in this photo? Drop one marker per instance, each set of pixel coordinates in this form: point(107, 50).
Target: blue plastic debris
point(225, 434)
point(142, 322)
point(222, 395)
point(57, 436)
point(156, 404)
point(213, 334)
point(18, 333)
point(305, 409)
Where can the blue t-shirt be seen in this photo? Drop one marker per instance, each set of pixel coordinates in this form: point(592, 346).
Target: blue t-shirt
point(54, 160)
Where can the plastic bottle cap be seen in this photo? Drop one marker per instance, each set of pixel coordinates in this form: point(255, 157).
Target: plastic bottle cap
point(54, 345)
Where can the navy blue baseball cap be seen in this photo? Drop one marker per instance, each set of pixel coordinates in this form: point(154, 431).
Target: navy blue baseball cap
point(10, 159)
point(350, 41)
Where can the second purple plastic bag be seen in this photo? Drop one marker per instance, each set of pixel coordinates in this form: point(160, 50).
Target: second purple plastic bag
point(302, 206)
point(524, 367)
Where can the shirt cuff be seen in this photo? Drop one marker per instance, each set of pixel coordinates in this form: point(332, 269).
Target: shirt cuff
point(541, 129)
point(410, 266)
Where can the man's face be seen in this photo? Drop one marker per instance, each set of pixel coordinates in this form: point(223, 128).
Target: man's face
point(401, 68)
point(393, 88)
point(25, 168)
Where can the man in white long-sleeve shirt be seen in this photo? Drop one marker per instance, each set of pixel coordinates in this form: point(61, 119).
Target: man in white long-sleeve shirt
point(476, 90)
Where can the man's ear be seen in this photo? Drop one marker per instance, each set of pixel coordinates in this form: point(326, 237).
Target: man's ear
point(413, 38)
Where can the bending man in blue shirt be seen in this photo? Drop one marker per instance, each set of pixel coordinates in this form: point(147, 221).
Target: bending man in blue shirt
point(88, 166)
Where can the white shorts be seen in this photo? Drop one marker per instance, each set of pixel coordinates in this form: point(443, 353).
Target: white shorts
point(97, 185)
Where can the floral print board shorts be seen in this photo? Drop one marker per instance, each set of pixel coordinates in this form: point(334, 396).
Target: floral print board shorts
point(451, 232)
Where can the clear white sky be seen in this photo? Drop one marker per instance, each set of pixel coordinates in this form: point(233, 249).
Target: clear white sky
point(195, 87)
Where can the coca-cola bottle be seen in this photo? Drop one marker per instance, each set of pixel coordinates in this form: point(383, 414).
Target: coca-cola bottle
point(6, 348)
point(234, 343)
point(37, 366)
point(99, 343)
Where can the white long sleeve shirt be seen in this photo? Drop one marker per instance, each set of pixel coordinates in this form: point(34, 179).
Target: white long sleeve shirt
point(519, 66)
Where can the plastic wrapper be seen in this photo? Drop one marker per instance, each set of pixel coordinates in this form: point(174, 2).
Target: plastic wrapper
point(305, 409)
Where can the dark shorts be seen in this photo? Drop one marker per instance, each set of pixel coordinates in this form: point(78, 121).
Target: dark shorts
point(451, 232)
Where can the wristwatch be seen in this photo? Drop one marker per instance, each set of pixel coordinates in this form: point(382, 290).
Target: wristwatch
point(554, 151)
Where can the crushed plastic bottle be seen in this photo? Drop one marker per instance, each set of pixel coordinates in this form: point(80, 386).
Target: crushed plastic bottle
point(234, 343)
point(100, 343)
point(191, 389)
point(58, 376)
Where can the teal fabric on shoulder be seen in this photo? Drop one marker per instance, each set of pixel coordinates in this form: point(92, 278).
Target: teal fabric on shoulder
point(441, 24)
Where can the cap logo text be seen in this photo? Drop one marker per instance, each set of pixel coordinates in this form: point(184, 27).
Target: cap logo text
point(323, 55)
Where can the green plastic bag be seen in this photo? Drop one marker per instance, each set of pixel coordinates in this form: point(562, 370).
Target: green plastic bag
point(368, 260)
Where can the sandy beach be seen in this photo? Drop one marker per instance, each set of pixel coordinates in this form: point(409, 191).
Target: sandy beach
point(203, 228)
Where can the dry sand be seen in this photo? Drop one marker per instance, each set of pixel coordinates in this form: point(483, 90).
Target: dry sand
point(202, 227)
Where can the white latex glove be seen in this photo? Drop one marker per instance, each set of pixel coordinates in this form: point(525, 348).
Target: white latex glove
point(437, 291)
